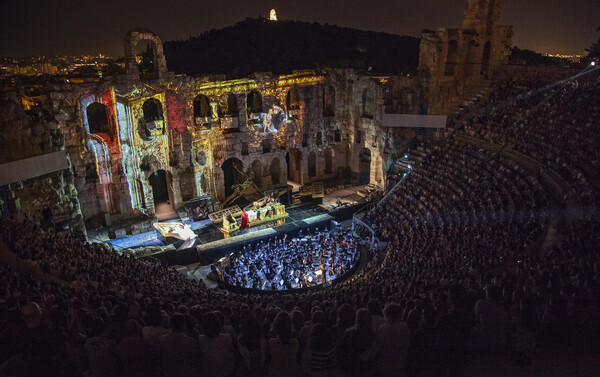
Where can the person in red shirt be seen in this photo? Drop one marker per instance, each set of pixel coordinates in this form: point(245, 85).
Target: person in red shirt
point(245, 221)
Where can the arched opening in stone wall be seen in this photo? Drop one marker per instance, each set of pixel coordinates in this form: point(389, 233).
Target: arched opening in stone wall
point(328, 161)
point(294, 165)
point(160, 187)
point(319, 138)
point(328, 101)
point(160, 180)
point(368, 103)
point(257, 171)
point(485, 60)
point(153, 122)
point(254, 102)
point(358, 137)
point(152, 109)
point(232, 105)
point(451, 58)
point(266, 146)
point(145, 57)
point(312, 164)
point(337, 136)
point(364, 166)
point(97, 117)
point(202, 108)
point(275, 171)
point(293, 99)
point(232, 174)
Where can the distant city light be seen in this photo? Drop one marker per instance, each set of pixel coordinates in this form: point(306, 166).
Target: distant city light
point(273, 16)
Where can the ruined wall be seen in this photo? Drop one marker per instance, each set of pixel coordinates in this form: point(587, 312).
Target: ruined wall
point(40, 130)
point(122, 131)
point(451, 60)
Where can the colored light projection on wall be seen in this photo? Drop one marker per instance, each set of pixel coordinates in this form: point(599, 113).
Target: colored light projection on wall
point(176, 111)
point(269, 122)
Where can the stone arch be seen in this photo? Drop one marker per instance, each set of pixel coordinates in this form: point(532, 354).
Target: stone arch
point(254, 102)
point(292, 100)
point(202, 106)
point(232, 105)
point(153, 121)
point(152, 110)
point(312, 164)
point(368, 103)
point(257, 170)
point(328, 161)
point(266, 145)
point(358, 137)
point(485, 60)
point(275, 170)
point(232, 174)
point(149, 164)
point(145, 57)
point(451, 58)
point(98, 119)
point(131, 41)
point(328, 101)
point(159, 181)
point(364, 166)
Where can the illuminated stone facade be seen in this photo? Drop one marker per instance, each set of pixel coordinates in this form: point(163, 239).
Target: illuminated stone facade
point(451, 60)
point(207, 133)
point(202, 135)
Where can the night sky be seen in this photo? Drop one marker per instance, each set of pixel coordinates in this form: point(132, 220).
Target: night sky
point(71, 27)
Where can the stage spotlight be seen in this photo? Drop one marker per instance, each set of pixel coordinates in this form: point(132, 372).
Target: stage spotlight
point(593, 64)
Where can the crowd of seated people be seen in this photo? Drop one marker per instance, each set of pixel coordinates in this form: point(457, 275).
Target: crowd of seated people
point(554, 123)
point(280, 264)
point(462, 275)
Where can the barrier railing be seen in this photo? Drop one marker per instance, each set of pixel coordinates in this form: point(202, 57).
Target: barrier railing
point(365, 209)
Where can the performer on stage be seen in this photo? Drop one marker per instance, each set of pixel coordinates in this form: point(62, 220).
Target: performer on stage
point(244, 223)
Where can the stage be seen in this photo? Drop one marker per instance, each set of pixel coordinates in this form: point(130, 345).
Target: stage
point(211, 243)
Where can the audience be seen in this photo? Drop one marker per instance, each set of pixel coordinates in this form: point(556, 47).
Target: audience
point(463, 273)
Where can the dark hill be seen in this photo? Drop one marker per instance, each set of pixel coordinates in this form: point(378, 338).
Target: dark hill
point(260, 45)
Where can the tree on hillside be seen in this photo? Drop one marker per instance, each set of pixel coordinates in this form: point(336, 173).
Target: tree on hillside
point(594, 50)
